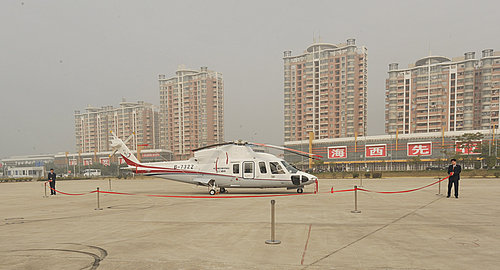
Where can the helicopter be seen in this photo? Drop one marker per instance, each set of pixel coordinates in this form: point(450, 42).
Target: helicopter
point(223, 165)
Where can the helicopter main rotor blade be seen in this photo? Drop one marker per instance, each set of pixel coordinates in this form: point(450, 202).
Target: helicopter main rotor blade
point(129, 138)
point(298, 152)
point(212, 145)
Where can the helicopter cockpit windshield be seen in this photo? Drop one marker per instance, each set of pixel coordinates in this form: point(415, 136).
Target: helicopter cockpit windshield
point(276, 168)
point(289, 167)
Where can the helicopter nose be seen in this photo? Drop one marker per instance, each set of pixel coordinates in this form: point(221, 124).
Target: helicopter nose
point(311, 177)
point(304, 178)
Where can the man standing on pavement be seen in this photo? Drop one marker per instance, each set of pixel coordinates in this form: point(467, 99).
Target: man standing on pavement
point(52, 182)
point(454, 172)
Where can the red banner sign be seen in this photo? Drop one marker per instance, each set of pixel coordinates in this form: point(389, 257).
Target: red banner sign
point(420, 149)
point(87, 161)
point(121, 160)
point(72, 162)
point(376, 150)
point(104, 161)
point(337, 152)
point(474, 148)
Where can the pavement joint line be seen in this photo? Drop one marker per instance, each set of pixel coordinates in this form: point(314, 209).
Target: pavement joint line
point(115, 211)
point(305, 247)
point(371, 233)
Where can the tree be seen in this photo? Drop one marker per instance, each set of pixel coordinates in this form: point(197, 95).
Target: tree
point(318, 164)
point(468, 142)
point(415, 162)
point(489, 160)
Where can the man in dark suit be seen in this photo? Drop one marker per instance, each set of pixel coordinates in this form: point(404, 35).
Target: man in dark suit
point(454, 172)
point(52, 182)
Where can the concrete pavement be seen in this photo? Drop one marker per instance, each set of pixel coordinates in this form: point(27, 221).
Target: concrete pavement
point(418, 230)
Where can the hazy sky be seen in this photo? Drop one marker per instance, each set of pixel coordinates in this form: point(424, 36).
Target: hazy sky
point(60, 56)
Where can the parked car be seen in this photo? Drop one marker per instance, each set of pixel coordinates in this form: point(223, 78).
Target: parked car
point(92, 172)
point(435, 168)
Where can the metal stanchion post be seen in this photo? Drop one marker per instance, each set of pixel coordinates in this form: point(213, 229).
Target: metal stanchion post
point(355, 200)
point(109, 181)
point(439, 187)
point(98, 204)
point(45, 189)
point(273, 226)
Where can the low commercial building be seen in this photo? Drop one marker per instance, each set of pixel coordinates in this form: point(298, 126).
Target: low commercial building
point(26, 166)
point(75, 162)
point(25, 172)
point(36, 166)
point(418, 151)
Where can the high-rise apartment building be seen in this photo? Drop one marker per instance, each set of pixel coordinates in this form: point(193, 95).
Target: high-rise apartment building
point(488, 81)
point(325, 91)
point(191, 110)
point(439, 93)
point(92, 127)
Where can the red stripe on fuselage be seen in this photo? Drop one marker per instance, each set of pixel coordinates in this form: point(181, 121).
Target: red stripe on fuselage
point(171, 170)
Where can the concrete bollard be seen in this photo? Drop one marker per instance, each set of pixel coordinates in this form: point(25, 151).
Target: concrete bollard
point(98, 203)
point(273, 226)
point(355, 200)
point(109, 181)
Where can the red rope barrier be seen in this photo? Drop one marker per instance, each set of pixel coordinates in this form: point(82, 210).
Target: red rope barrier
point(249, 196)
point(403, 191)
point(71, 194)
point(184, 196)
point(340, 190)
point(207, 196)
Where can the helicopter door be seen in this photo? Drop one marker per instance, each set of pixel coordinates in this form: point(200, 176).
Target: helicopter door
point(248, 169)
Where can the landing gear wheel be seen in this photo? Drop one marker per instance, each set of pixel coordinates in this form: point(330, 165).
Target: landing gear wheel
point(223, 190)
point(300, 190)
point(212, 192)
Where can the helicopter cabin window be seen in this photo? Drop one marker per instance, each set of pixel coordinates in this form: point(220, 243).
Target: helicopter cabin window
point(236, 168)
point(248, 167)
point(276, 168)
point(262, 166)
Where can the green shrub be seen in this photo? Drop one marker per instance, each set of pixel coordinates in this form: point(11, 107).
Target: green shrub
point(497, 174)
point(367, 175)
point(355, 174)
point(477, 165)
point(377, 175)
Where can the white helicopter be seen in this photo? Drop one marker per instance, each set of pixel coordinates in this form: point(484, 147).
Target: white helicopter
point(224, 165)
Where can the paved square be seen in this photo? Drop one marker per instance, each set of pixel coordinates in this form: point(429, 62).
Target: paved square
point(418, 230)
